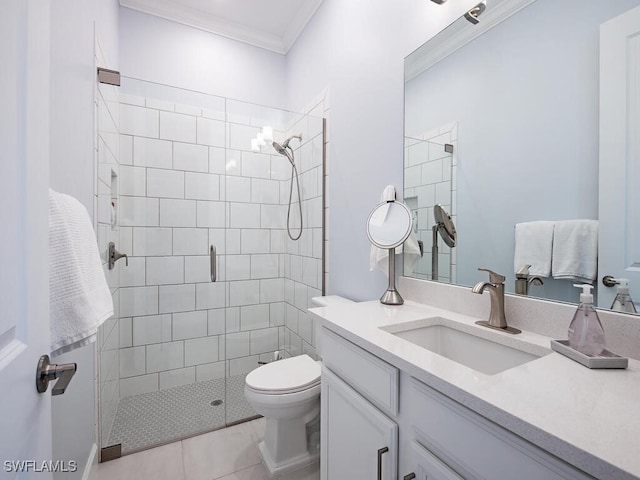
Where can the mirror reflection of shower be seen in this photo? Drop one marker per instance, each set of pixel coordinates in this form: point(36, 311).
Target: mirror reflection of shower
point(285, 150)
point(447, 230)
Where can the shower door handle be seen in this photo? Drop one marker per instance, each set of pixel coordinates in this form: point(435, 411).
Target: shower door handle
point(212, 262)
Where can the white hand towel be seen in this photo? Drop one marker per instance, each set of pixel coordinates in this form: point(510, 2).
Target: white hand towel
point(534, 242)
point(79, 298)
point(575, 250)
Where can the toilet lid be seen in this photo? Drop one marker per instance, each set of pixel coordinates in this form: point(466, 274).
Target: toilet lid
point(288, 375)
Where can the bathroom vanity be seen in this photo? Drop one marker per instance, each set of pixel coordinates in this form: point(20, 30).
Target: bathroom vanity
point(503, 406)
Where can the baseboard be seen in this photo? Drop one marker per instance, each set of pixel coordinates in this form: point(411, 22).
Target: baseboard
point(91, 468)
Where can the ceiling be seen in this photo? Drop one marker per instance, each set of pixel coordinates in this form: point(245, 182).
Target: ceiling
point(271, 24)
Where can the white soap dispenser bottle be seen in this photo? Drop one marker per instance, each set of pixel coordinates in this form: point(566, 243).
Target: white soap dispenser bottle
point(623, 302)
point(586, 334)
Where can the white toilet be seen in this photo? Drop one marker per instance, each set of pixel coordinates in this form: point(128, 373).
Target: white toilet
point(287, 394)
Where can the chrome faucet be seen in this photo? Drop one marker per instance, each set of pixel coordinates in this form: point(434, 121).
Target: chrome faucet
point(497, 318)
point(523, 280)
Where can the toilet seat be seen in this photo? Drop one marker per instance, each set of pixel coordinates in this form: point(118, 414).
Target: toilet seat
point(290, 375)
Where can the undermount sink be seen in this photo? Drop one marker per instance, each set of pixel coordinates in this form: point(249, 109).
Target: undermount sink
point(445, 337)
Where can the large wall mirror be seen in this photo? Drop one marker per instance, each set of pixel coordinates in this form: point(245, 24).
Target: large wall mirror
point(503, 127)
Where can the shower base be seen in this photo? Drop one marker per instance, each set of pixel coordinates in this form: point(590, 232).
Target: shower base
point(155, 418)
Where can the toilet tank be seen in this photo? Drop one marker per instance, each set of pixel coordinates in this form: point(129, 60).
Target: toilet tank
point(326, 301)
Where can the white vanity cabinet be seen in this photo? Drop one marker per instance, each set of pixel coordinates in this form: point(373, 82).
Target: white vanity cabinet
point(376, 417)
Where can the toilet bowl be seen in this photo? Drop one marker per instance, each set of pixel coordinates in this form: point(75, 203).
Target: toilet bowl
point(287, 394)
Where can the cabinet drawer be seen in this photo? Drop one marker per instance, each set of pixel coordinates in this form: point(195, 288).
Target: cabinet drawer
point(429, 467)
point(476, 447)
point(372, 377)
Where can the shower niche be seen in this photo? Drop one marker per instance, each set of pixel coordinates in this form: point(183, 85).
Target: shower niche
point(189, 178)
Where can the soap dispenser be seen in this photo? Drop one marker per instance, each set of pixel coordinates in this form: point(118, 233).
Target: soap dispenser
point(623, 302)
point(585, 331)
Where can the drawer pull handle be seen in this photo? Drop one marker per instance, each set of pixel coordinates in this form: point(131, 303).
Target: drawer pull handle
point(380, 453)
point(411, 476)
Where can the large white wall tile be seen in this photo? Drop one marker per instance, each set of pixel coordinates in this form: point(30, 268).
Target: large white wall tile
point(201, 350)
point(232, 319)
point(139, 121)
point(190, 241)
point(237, 344)
point(132, 181)
point(211, 214)
point(125, 330)
point(256, 165)
point(275, 216)
point(238, 267)
point(238, 189)
point(272, 290)
point(197, 269)
point(151, 329)
point(305, 327)
point(244, 215)
point(134, 274)
point(263, 341)
point(149, 152)
point(177, 213)
point(265, 191)
point(240, 136)
point(210, 295)
point(165, 356)
point(126, 150)
point(189, 325)
point(202, 186)
point(254, 241)
point(178, 127)
point(177, 298)
point(210, 371)
point(137, 385)
point(139, 211)
point(194, 158)
point(218, 160)
point(176, 378)
point(165, 270)
point(216, 321)
point(245, 292)
point(276, 314)
point(151, 241)
point(132, 362)
point(264, 266)
point(254, 316)
point(243, 365)
point(136, 301)
point(165, 183)
point(211, 132)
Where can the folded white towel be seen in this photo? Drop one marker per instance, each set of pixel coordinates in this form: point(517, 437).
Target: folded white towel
point(533, 247)
point(79, 298)
point(379, 257)
point(575, 250)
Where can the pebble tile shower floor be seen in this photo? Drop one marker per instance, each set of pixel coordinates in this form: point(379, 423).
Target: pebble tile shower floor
point(149, 419)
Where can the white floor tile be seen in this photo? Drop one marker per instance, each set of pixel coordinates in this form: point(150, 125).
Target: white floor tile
point(219, 453)
point(161, 463)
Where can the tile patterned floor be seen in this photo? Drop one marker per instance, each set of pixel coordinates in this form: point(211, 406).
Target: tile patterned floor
point(226, 454)
point(155, 418)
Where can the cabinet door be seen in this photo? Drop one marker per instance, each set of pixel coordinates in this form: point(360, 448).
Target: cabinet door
point(358, 441)
point(429, 467)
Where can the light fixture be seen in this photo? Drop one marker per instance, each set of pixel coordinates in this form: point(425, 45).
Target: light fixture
point(473, 14)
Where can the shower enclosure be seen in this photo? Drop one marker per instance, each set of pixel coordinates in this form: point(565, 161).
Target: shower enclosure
point(185, 195)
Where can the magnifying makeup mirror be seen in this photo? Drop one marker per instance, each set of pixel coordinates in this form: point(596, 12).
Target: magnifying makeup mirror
point(444, 225)
point(388, 226)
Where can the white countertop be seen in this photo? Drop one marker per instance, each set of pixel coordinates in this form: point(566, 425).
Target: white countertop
point(588, 418)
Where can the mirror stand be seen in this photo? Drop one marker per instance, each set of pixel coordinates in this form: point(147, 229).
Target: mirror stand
point(391, 296)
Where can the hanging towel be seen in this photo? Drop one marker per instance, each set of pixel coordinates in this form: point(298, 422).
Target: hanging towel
point(79, 298)
point(533, 247)
point(379, 257)
point(575, 250)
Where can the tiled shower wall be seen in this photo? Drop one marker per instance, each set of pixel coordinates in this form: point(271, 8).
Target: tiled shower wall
point(430, 179)
point(188, 180)
point(107, 107)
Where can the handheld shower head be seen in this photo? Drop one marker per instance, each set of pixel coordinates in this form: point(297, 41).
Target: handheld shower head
point(282, 148)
